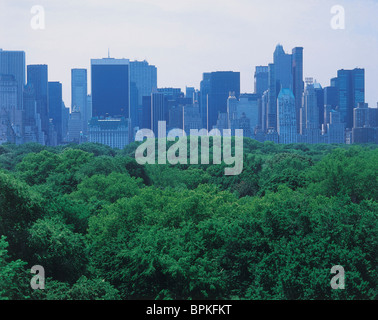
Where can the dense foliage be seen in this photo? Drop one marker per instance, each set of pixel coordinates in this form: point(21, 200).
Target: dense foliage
point(104, 227)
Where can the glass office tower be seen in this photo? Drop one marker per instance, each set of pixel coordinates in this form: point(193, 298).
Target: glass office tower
point(110, 87)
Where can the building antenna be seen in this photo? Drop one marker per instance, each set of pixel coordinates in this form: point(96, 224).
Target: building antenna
point(108, 53)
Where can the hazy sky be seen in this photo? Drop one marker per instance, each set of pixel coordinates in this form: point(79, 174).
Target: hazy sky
point(185, 38)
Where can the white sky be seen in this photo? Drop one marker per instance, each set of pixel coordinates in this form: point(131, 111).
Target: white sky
point(185, 38)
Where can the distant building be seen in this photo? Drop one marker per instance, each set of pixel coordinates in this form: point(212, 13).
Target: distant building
point(190, 93)
point(298, 84)
point(55, 112)
point(192, 118)
point(159, 111)
point(79, 95)
point(114, 133)
point(203, 99)
point(110, 87)
point(8, 107)
point(75, 126)
point(364, 130)
point(143, 82)
point(38, 78)
point(261, 79)
point(309, 122)
point(13, 63)
point(286, 118)
point(335, 129)
point(351, 92)
point(221, 83)
point(32, 119)
point(242, 112)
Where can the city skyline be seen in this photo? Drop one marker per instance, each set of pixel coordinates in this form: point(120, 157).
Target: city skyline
point(184, 40)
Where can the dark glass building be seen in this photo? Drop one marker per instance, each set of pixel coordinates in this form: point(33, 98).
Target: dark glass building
point(13, 63)
point(204, 92)
point(110, 88)
point(222, 83)
point(298, 84)
point(351, 92)
point(159, 111)
point(261, 80)
point(38, 78)
point(55, 108)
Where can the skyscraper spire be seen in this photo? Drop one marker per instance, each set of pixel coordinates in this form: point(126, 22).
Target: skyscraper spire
point(108, 53)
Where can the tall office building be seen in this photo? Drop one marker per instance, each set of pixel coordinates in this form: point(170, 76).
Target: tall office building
point(283, 69)
point(263, 111)
point(55, 109)
point(32, 120)
point(191, 118)
point(189, 93)
point(271, 110)
point(38, 78)
point(144, 76)
point(159, 111)
point(351, 92)
point(286, 117)
point(8, 106)
point(145, 117)
point(298, 84)
point(13, 63)
point(79, 92)
point(261, 79)
point(362, 131)
point(242, 112)
point(221, 84)
point(65, 119)
point(319, 91)
point(204, 94)
point(143, 82)
point(75, 126)
point(110, 87)
point(361, 116)
point(335, 128)
point(310, 128)
point(286, 72)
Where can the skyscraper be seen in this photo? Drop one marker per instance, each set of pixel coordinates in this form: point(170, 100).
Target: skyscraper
point(79, 92)
point(55, 108)
point(32, 120)
point(8, 106)
point(13, 63)
point(310, 127)
point(271, 112)
point(38, 79)
point(298, 85)
point(144, 76)
point(189, 93)
point(204, 93)
point(145, 119)
point(351, 92)
point(283, 69)
point(159, 111)
point(261, 79)
point(335, 128)
point(110, 87)
point(221, 84)
point(143, 82)
point(286, 117)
